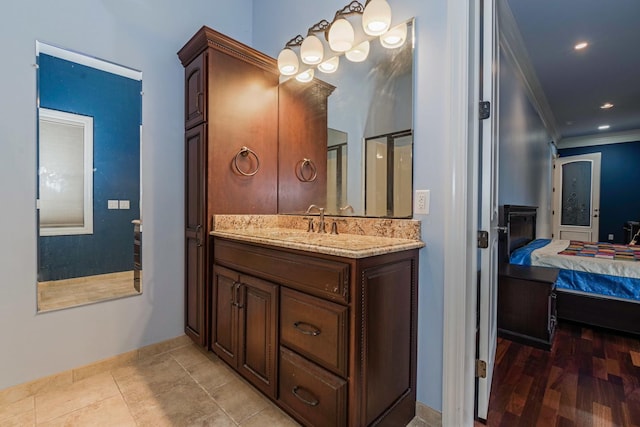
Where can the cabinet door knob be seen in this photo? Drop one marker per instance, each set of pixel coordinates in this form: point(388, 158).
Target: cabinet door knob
point(313, 402)
point(307, 328)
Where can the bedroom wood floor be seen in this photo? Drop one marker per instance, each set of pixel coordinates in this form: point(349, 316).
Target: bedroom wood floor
point(589, 378)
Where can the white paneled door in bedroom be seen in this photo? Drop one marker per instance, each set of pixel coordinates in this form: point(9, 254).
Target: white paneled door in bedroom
point(576, 197)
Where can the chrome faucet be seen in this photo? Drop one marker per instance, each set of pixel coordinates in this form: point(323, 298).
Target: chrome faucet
point(321, 224)
point(347, 208)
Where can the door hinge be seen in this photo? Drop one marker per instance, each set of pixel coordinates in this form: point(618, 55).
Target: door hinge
point(481, 368)
point(485, 110)
point(483, 239)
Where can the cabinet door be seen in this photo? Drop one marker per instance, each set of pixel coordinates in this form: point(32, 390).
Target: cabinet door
point(258, 310)
point(224, 329)
point(195, 77)
point(195, 235)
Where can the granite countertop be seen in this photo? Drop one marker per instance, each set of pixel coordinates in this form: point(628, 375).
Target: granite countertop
point(344, 245)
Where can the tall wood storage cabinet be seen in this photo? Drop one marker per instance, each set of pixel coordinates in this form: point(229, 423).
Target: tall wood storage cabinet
point(231, 151)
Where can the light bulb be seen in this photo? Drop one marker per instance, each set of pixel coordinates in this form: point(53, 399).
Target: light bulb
point(341, 35)
point(358, 53)
point(376, 17)
point(395, 37)
point(305, 76)
point(330, 66)
point(288, 62)
point(311, 51)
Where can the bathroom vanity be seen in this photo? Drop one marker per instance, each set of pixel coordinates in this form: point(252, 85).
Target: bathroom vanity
point(324, 325)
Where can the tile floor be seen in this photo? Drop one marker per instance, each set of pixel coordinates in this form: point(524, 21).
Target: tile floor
point(181, 387)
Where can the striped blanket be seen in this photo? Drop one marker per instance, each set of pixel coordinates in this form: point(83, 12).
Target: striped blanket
point(603, 250)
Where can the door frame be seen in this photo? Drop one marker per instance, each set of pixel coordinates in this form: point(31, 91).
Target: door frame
point(461, 209)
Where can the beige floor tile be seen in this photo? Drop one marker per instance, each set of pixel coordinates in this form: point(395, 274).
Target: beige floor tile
point(151, 378)
point(270, 416)
point(212, 374)
point(183, 405)
point(41, 385)
point(66, 399)
point(109, 412)
point(189, 356)
point(12, 410)
point(239, 400)
point(23, 420)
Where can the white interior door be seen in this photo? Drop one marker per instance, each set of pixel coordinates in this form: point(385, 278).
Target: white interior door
point(488, 209)
point(576, 198)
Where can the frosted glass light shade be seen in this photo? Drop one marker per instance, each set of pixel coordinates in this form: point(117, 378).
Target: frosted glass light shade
point(330, 66)
point(395, 37)
point(376, 18)
point(288, 62)
point(305, 76)
point(358, 53)
point(312, 51)
point(341, 35)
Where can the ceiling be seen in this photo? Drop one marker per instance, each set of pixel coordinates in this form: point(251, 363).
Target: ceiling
point(576, 83)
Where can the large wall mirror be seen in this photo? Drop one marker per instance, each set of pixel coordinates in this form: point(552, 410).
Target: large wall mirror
point(370, 133)
point(89, 187)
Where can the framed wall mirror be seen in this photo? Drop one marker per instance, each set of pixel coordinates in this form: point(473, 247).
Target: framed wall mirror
point(89, 186)
point(372, 101)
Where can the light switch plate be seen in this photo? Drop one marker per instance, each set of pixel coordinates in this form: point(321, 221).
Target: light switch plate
point(112, 204)
point(124, 204)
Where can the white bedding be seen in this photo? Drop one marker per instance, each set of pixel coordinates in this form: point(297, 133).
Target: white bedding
point(547, 256)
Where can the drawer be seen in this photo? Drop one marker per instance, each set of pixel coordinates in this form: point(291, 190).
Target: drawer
point(315, 328)
point(314, 395)
point(321, 277)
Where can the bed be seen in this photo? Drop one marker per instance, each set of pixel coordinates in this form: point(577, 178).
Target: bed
point(598, 284)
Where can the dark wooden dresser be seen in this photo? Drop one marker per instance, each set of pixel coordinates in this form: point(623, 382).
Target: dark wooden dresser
point(527, 304)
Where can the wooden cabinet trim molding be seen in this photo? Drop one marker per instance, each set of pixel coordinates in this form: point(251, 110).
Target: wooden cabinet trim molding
point(209, 38)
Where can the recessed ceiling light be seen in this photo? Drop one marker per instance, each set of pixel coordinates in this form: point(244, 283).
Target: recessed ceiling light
point(603, 127)
point(606, 106)
point(581, 45)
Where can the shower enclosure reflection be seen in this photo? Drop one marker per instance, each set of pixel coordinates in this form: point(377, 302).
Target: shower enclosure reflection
point(89, 219)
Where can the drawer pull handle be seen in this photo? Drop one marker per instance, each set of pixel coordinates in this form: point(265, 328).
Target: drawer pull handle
point(308, 330)
point(313, 402)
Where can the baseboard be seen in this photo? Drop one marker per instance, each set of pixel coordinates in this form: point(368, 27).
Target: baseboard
point(430, 416)
point(22, 391)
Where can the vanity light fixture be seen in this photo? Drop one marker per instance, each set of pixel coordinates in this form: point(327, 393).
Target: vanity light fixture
point(306, 76)
point(330, 66)
point(341, 33)
point(288, 63)
point(395, 37)
point(376, 17)
point(312, 49)
point(603, 127)
point(606, 106)
point(358, 53)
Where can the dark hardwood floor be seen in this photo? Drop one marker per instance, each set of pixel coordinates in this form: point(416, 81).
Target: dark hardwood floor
point(591, 377)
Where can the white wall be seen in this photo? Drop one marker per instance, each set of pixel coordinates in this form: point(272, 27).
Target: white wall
point(277, 21)
point(525, 167)
point(142, 34)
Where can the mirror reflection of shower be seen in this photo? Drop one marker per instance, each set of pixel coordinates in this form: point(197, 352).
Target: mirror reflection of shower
point(89, 186)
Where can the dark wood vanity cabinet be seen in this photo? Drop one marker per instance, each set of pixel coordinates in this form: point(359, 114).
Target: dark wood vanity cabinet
point(345, 337)
point(231, 102)
point(244, 329)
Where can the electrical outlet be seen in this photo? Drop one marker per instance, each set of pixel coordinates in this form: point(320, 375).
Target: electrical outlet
point(421, 202)
point(610, 236)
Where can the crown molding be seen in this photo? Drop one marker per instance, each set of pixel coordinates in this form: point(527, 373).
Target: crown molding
point(600, 139)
